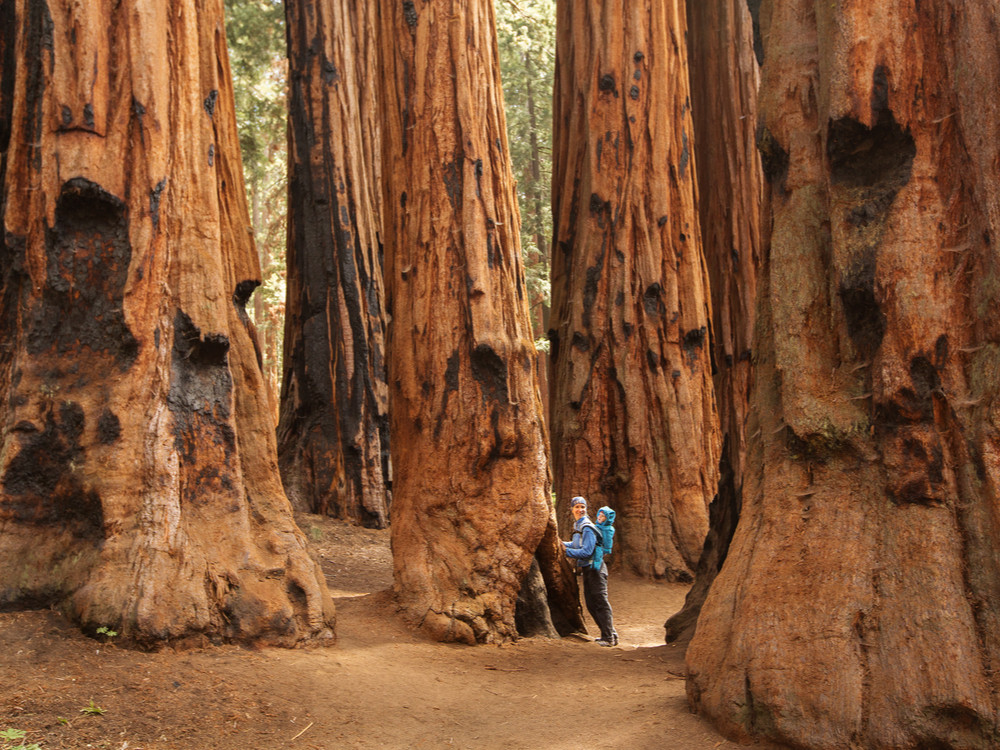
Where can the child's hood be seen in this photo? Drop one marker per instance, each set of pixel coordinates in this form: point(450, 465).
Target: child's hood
point(608, 514)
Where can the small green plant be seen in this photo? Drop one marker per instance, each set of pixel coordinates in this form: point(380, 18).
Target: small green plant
point(63, 721)
point(92, 710)
point(10, 735)
point(316, 533)
point(107, 632)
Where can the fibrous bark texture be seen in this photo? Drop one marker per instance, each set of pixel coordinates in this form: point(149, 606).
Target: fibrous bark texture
point(724, 81)
point(139, 477)
point(632, 404)
point(470, 491)
point(858, 604)
point(333, 431)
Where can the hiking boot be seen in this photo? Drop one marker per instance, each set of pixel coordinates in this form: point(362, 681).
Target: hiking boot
point(614, 639)
point(603, 642)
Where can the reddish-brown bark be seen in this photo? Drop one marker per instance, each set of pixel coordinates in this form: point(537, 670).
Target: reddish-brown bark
point(724, 81)
point(632, 404)
point(471, 489)
point(334, 427)
point(139, 473)
point(857, 607)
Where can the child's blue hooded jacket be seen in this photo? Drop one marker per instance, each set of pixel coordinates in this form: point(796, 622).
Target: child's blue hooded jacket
point(607, 530)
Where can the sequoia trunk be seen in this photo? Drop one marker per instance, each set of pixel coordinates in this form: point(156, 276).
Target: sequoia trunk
point(139, 472)
point(333, 428)
point(471, 487)
point(857, 607)
point(632, 404)
point(724, 81)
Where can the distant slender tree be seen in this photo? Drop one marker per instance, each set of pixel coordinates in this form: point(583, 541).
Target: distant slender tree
point(333, 429)
point(858, 604)
point(138, 464)
point(632, 410)
point(724, 81)
point(471, 489)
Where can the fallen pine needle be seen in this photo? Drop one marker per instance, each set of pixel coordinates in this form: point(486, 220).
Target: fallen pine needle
point(501, 669)
point(302, 732)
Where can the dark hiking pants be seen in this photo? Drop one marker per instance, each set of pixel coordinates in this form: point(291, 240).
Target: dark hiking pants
point(595, 595)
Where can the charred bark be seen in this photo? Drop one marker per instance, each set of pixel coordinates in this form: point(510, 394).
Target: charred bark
point(139, 478)
point(866, 552)
point(333, 429)
point(632, 403)
point(471, 488)
point(724, 81)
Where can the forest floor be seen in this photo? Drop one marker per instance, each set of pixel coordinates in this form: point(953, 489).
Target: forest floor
point(381, 686)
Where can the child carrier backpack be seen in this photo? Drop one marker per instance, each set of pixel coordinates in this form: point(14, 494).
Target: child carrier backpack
point(593, 560)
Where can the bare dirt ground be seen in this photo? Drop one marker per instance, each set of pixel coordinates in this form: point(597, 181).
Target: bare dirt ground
point(381, 686)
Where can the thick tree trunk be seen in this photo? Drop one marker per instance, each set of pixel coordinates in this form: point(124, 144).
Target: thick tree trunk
point(724, 81)
point(471, 485)
point(333, 428)
point(139, 472)
point(633, 412)
point(857, 607)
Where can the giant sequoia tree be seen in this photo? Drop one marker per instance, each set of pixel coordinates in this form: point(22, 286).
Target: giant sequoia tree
point(724, 80)
point(138, 465)
point(632, 405)
point(858, 604)
point(333, 429)
point(470, 491)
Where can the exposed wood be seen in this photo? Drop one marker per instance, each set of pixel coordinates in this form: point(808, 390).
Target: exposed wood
point(632, 403)
point(724, 81)
point(471, 488)
point(138, 464)
point(333, 430)
point(857, 607)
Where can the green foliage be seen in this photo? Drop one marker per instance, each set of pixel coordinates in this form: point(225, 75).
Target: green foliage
point(526, 35)
point(10, 736)
point(255, 30)
point(106, 631)
point(92, 709)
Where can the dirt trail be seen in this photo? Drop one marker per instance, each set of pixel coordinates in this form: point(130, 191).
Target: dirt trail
point(382, 686)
